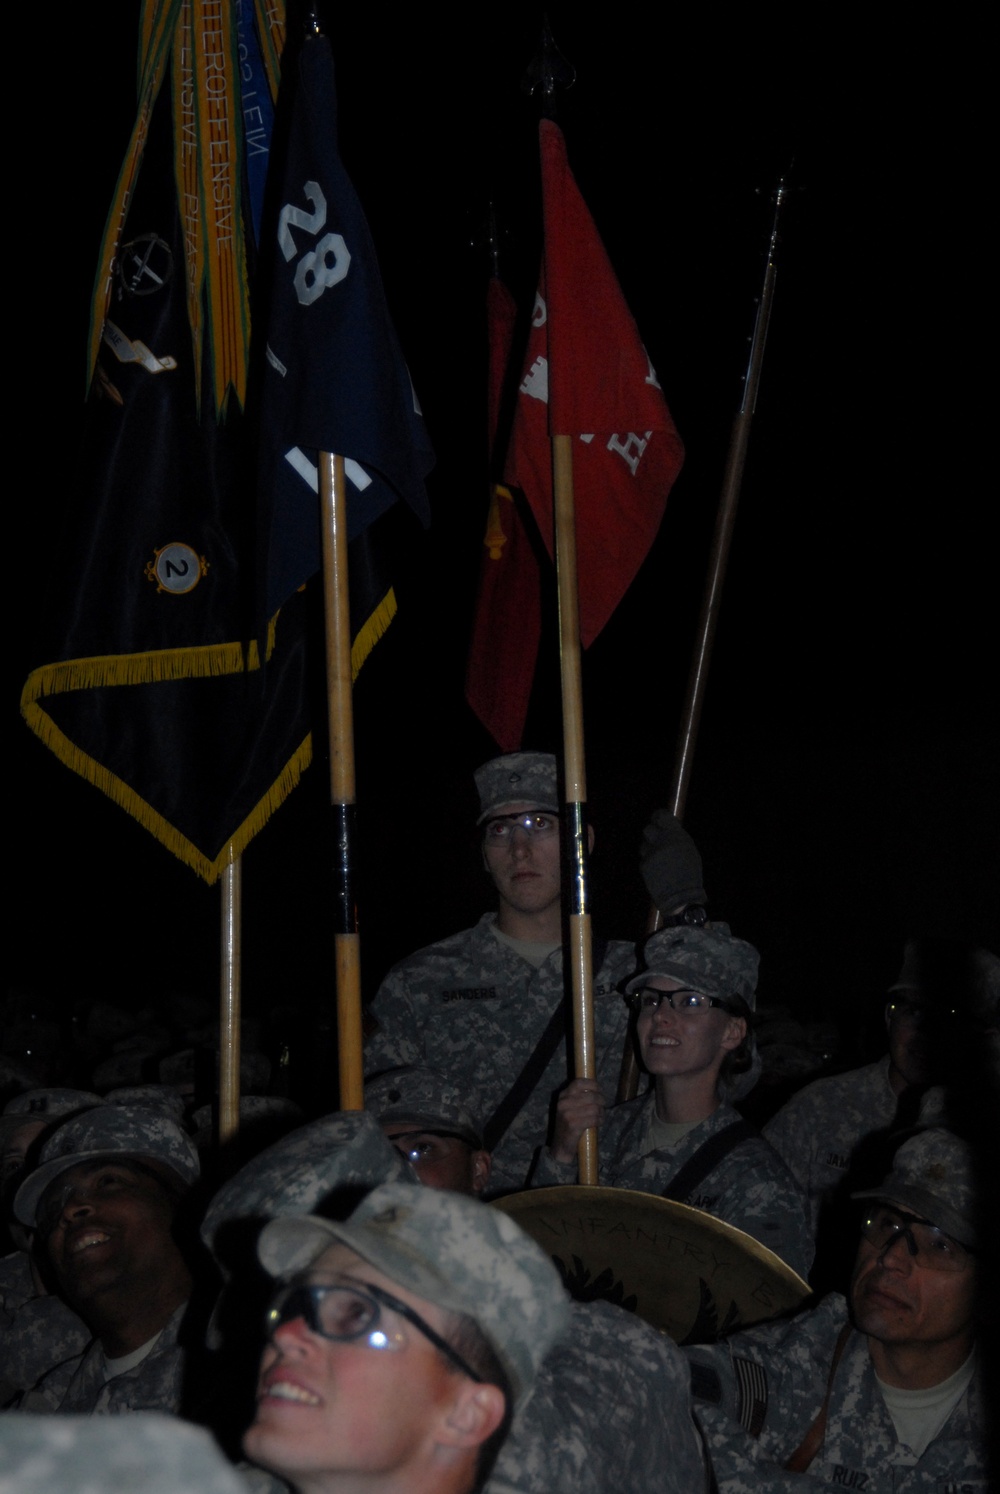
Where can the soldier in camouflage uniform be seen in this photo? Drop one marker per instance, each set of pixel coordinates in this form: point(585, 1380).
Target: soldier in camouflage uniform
point(609, 1412)
point(821, 1127)
point(399, 1342)
point(103, 1201)
point(883, 1396)
point(429, 1122)
point(684, 1139)
point(148, 1454)
point(37, 1328)
point(487, 1007)
point(597, 1420)
point(306, 1172)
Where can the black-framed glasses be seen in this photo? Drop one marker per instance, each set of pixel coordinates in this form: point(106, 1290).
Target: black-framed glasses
point(649, 999)
point(537, 825)
point(348, 1313)
point(928, 1245)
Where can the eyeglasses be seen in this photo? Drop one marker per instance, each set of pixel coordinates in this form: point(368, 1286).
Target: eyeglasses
point(694, 916)
point(649, 999)
point(344, 1314)
point(415, 1145)
point(928, 1245)
point(535, 824)
point(907, 1010)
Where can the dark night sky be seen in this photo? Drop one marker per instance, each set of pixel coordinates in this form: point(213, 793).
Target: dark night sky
point(845, 787)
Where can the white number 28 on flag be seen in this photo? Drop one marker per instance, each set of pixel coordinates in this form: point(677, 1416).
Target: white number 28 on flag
point(328, 262)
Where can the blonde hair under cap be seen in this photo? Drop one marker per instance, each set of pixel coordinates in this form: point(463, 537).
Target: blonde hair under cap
point(452, 1251)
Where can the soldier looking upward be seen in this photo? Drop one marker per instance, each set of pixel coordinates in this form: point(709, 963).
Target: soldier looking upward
point(879, 1392)
point(103, 1201)
point(684, 1139)
point(399, 1343)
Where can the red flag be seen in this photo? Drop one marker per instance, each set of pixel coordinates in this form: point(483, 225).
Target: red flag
point(507, 623)
point(501, 315)
point(587, 374)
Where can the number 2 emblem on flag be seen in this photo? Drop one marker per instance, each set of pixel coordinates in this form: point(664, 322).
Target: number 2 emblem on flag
point(176, 568)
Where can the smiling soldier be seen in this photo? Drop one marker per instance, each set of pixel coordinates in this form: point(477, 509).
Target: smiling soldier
point(487, 1007)
point(879, 1395)
point(103, 1202)
point(684, 1139)
point(398, 1343)
point(37, 1329)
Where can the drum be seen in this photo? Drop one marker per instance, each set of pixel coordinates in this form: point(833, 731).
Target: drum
point(678, 1268)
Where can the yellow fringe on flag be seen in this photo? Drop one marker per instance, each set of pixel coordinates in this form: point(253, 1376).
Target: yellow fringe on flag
point(371, 630)
point(133, 804)
point(155, 667)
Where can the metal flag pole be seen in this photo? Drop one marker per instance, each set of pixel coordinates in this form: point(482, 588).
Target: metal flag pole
point(725, 521)
point(340, 714)
point(229, 1002)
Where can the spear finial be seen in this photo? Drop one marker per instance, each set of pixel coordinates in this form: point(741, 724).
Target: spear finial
point(547, 71)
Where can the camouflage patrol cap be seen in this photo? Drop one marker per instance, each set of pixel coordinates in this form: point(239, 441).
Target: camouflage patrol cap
point(112, 1131)
point(709, 960)
point(517, 778)
point(151, 1097)
point(298, 1173)
point(452, 1251)
point(46, 1104)
point(40, 1108)
point(263, 1119)
point(979, 968)
point(422, 1097)
point(932, 1177)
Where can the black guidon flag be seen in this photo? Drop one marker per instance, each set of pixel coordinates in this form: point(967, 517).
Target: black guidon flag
point(335, 379)
point(155, 630)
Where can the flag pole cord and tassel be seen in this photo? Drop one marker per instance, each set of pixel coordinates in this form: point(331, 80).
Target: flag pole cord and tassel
point(347, 950)
point(725, 521)
point(230, 995)
point(574, 770)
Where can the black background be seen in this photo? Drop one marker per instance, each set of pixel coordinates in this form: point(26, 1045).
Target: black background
point(845, 788)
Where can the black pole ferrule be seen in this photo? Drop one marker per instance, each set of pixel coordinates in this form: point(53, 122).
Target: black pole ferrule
point(576, 858)
point(345, 909)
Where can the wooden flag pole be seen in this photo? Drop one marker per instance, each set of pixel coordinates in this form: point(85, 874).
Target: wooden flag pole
point(340, 710)
point(579, 952)
point(229, 1003)
point(725, 521)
